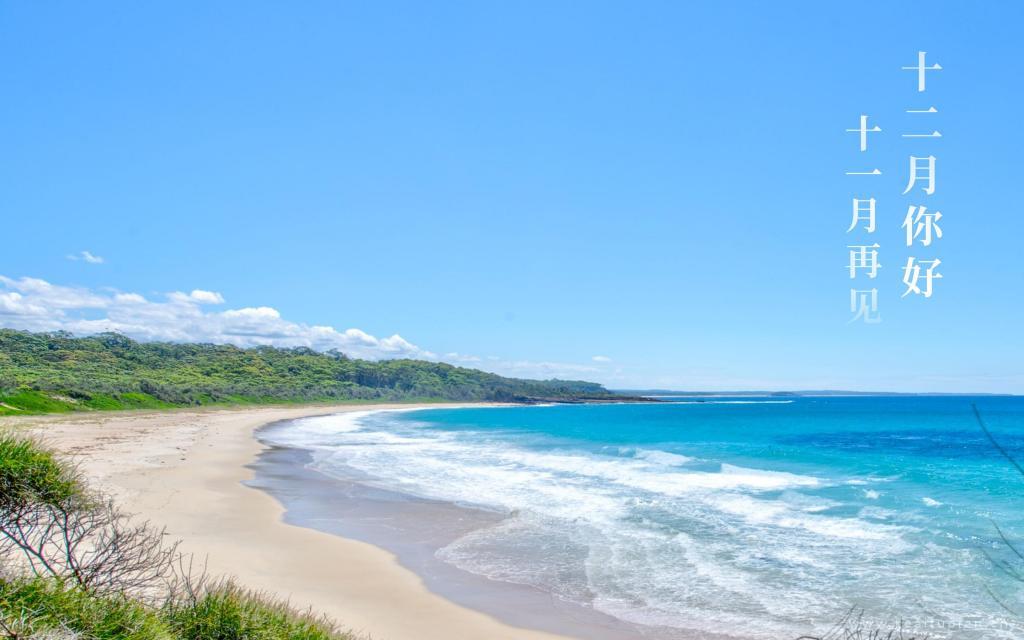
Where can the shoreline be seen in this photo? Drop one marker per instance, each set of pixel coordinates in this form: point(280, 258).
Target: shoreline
point(187, 470)
point(414, 529)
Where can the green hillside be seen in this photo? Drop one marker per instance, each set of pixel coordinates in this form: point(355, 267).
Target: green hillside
point(55, 372)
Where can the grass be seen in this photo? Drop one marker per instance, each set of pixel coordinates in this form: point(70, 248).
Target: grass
point(25, 401)
point(33, 402)
point(135, 401)
point(29, 472)
point(230, 612)
point(36, 605)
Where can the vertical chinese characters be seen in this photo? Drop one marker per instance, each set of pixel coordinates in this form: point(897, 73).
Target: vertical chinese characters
point(863, 258)
point(920, 224)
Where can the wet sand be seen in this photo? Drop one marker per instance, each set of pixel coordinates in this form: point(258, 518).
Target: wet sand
point(414, 529)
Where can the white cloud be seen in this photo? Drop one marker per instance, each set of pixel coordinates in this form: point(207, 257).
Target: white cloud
point(206, 297)
point(35, 291)
point(542, 369)
point(457, 357)
point(129, 298)
point(197, 296)
point(601, 359)
point(37, 305)
point(85, 256)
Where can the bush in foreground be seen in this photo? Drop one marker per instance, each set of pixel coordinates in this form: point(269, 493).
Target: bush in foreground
point(29, 474)
point(32, 608)
point(41, 607)
point(229, 612)
point(74, 567)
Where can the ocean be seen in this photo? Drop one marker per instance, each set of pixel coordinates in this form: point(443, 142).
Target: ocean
point(759, 517)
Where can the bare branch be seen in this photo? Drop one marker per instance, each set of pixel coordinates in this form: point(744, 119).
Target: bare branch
point(96, 547)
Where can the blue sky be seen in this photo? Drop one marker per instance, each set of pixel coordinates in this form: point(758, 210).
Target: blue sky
point(528, 185)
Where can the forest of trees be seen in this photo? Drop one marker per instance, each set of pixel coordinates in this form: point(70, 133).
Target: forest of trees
point(49, 372)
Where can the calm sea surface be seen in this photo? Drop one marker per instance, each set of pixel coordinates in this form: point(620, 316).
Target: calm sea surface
point(762, 517)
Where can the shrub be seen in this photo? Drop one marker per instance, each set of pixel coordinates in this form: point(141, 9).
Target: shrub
point(31, 473)
point(229, 612)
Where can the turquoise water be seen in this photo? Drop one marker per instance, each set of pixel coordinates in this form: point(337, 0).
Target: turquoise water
point(759, 517)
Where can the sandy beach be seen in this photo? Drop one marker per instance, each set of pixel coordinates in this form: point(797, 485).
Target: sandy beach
point(185, 470)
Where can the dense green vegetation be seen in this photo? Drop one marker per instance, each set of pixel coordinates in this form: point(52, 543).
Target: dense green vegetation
point(227, 612)
point(55, 372)
point(37, 605)
point(29, 473)
point(144, 593)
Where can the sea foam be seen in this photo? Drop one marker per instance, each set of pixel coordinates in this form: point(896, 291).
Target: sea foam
point(649, 534)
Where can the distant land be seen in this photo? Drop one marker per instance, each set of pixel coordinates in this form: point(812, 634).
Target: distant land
point(668, 393)
point(58, 372)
